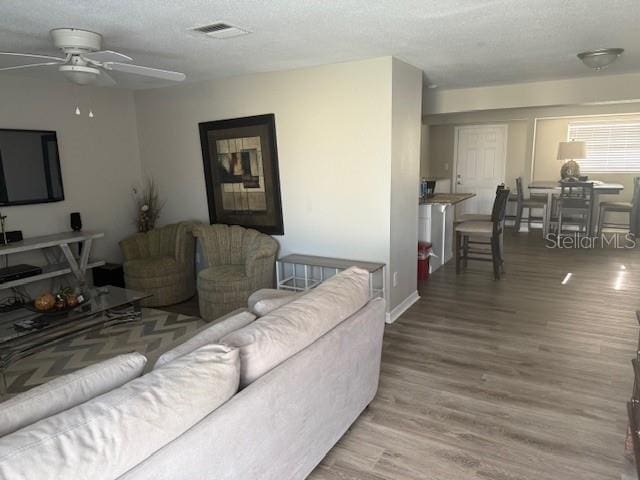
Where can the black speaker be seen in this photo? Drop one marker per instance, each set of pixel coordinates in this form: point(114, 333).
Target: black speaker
point(108, 274)
point(76, 221)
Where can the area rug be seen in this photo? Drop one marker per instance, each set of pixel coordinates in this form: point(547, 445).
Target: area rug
point(156, 331)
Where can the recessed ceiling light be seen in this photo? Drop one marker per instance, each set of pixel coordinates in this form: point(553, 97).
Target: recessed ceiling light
point(432, 85)
point(601, 58)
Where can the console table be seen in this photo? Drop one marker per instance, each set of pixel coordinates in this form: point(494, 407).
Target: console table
point(58, 256)
point(302, 272)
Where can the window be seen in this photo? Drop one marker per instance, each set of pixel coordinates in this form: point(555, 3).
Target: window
point(612, 146)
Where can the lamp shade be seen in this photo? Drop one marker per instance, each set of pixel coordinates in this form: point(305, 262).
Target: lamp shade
point(572, 150)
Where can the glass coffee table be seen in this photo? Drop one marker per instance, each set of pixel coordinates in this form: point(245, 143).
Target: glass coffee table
point(23, 332)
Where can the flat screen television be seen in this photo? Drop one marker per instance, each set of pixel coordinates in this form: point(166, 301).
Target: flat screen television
point(29, 167)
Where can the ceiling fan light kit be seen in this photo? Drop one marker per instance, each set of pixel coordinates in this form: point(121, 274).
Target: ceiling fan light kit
point(84, 63)
point(80, 75)
point(601, 58)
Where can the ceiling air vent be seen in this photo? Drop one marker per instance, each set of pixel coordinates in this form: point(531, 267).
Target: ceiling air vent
point(220, 30)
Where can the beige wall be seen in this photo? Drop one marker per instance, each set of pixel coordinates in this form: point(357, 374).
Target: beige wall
point(405, 169)
point(573, 91)
point(99, 157)
point(440, 152)
point(516, 152)
point(334, 129)
point(424, 148)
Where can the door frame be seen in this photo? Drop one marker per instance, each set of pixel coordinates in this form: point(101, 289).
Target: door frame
point(456, 142)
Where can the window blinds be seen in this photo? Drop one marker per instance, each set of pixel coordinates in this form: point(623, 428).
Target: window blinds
point(612, 146)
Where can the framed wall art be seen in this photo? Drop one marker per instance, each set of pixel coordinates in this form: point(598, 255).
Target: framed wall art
point(240, 158)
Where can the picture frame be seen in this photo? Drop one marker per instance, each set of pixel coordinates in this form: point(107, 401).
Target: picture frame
point(240, 159)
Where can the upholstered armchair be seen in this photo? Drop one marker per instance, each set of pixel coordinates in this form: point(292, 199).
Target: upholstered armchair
point(239, 262)
point(161, 262)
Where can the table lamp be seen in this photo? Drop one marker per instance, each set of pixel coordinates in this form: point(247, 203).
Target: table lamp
point(569, 152)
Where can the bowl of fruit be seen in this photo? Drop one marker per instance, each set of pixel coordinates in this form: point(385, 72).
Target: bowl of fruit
point(65, 300)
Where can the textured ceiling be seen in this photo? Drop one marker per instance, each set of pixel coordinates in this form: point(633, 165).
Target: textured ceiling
point(458, 43)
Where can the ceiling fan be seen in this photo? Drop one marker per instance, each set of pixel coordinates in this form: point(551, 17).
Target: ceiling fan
point(84, 63)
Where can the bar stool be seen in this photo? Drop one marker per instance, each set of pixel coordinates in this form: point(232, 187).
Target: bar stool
point(491, 230)
point(529, 203)
point(621, 207)
point(485, 217)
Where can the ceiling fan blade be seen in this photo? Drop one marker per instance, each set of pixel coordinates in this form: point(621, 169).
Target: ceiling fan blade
point(105, 80)
point(145, 71)
point(19, 67)
point(10, 60)
point(107, 56)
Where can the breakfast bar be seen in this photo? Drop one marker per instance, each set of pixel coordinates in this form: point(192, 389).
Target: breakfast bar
point(435, 225)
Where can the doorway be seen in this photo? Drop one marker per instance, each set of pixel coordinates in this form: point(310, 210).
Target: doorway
point(480, 157)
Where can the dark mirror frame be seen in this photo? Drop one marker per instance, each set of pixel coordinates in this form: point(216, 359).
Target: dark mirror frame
point(216, 215)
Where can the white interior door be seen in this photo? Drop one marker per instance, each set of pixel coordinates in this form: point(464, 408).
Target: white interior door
point(480, 164)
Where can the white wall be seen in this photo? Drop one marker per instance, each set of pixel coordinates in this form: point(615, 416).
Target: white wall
point(573, 91)
point(344, 193)
point(99, 157)
point(334, 141)
point(405, 171)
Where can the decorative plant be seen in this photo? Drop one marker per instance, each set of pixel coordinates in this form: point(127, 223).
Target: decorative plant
point(148, 205)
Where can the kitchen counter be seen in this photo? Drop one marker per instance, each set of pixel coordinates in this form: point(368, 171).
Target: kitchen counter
point(447, 198)
point(435, 225)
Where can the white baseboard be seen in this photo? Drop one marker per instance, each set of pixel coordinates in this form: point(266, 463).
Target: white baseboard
point(393, 315)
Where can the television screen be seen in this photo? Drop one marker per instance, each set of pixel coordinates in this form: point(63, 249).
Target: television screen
point(29, 167)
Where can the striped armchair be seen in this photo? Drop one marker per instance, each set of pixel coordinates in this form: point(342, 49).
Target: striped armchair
point(239, 262)
point(161, 262)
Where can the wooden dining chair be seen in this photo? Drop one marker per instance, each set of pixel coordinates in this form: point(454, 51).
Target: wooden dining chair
point(630, 208)
point(575, 201)
point(530, 204)
point(486, 217)
point(490, 230)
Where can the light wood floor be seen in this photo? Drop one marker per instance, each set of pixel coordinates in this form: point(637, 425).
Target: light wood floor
point(523, 378)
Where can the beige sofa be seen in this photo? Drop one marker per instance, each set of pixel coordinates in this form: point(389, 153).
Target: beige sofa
point(161, 262)
point(310, 368)
point(239, 262)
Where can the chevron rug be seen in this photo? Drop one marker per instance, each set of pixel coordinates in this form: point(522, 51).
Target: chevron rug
point(157, 330)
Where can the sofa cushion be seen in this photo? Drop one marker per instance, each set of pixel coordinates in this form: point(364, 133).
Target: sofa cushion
point(68, 391)
point(107, 436)
point(264, 301)
point(270, 340)
point(151, 267)
point(208, 334)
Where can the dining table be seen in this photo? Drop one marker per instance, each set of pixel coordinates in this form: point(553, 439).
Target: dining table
point(552, 187)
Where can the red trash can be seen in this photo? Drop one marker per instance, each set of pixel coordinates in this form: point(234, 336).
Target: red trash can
point(424, 251)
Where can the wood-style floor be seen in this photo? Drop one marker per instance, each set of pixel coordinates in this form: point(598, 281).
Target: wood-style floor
point(524, 378)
